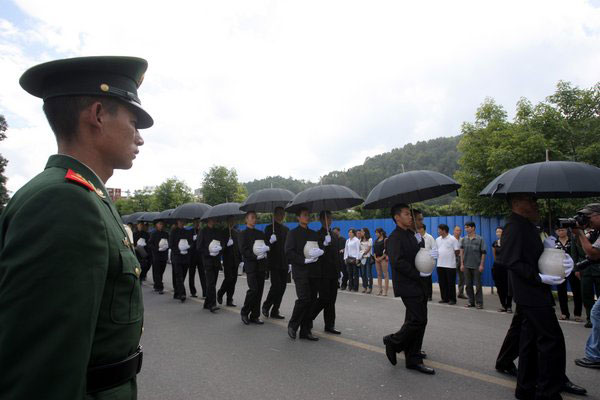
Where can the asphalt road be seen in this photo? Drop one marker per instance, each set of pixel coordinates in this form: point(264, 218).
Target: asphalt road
point(190, 353)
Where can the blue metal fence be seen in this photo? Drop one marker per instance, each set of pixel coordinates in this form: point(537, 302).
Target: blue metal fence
point(485, 227)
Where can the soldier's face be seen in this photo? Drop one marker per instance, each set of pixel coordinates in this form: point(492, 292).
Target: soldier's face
point(121, 138)
point(251, 219)
point(279, 214)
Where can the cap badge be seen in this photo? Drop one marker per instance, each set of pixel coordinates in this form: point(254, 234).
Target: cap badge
point(104, 87)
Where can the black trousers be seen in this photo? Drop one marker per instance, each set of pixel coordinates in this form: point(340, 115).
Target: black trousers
point(410, 337)
point(510, 347)
point(326, 301)
point(542, 355)
point(196, 265)
point(277, 290)
point(211, 271)
point(159, 264)
point(180, 267)
point(344, 269)
point(229, 280)
point(145, 265)
point(256, 285)
point(447, 282)
point(307, 290)
point(500, 276)
point(563, 297)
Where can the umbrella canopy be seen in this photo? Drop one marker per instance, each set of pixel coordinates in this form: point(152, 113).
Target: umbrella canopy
point(222, 211)
point(324, 198)
point(148, 216)
point(548, 179)
point(190, 211)
point(132, 218)
point(410, 187)
point(124, 218)
point(267, 200)
point(165, 216)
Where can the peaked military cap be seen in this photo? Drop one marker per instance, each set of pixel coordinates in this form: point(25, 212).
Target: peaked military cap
point(590, 209)
point(111, 76)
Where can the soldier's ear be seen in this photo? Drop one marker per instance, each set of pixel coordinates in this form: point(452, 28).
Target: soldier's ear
point(93, 115)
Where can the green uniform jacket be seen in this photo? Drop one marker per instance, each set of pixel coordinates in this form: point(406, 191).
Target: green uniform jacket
point(70, 294)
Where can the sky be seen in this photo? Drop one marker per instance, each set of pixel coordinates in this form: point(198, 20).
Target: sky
point(294, 88)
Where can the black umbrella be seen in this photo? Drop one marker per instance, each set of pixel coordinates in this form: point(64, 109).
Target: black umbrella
point(267, 200)
point(223, 211)
point(148, 216)
point(165, 216)
point(548, 179)
point(132, 218)
point(324, 198)
point(190, 211)
point(410, 187)
point(124, 218)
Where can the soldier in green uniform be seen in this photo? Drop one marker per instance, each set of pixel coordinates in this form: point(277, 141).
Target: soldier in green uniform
point(71, 308)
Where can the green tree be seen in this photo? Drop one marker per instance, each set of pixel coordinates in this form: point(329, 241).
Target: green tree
point(142, 200)
point(3, 162)
point(169, 194)
point(221, 185)
point(295, 185)
point(567, 124)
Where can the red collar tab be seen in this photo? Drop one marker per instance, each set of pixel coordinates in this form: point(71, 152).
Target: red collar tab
point(76, 177)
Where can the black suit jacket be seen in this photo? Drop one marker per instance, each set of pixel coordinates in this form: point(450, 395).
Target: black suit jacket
point(402, 248)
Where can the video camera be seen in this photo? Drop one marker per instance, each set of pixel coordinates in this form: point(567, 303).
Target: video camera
point(580, 220)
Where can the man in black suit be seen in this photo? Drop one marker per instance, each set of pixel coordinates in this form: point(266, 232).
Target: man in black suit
point(402, 247)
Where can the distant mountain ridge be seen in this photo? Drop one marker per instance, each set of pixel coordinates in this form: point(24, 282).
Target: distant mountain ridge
point(439, 154)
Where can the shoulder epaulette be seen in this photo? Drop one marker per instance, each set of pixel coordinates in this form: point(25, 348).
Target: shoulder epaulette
point(76, 177)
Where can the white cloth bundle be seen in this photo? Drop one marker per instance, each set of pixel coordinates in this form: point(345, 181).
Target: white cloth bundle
point(183, 245)
point(163, 245)
point(214, 248)
point(141, 242)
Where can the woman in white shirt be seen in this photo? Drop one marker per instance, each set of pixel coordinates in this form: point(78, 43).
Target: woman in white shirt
point(351, 258)
point(366, 261)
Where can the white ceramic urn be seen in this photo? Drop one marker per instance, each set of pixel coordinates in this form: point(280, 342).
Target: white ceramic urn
point(308, 246)
point(258, 244)
point(551, 262)
point(424, 262)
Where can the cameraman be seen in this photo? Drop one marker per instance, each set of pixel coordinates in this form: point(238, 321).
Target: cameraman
point(591, 247)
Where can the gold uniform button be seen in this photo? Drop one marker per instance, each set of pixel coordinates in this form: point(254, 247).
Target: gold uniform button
point(104, 87)
point(137, 271)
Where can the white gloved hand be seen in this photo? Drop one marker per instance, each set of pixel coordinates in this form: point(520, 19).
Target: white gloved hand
point(434, 253)
point(327, 240)
point(213, 253)
point(310, 260)
point(241, 265)
point(315, 253)
point(261, 256)
point(230, 242)
point(141, 242)
point(568, 263)
point(266, 249)
point(418, 237)
point(424, 275)
point(289, 268)
point(273, 239)
point(551, 279)
point(550, 242)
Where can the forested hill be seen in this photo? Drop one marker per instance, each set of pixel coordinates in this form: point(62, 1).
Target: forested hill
point(437, 155)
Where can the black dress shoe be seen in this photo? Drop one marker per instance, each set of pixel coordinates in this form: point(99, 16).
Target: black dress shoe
point(265, 312)
point(194, 296)
point(245, 319)
point(390, 351)
point(507, 370)
point(421, 354)
point(182, 299)
point(219, 297)
point(588, 324)
point(291, 332)
point(443, 302)
point(277, 316)
point(161, 291)
point(587, 363)
point(308, 336)
point(333, 330)
point(230, 304)
point(422, 369)
point(572, 388)
point(257, 321)
point(213, 309)
point(452, 303)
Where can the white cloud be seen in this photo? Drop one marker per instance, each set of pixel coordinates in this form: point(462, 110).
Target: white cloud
point(296, 88)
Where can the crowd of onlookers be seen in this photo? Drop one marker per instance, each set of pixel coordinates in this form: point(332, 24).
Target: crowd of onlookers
point(460, 266)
